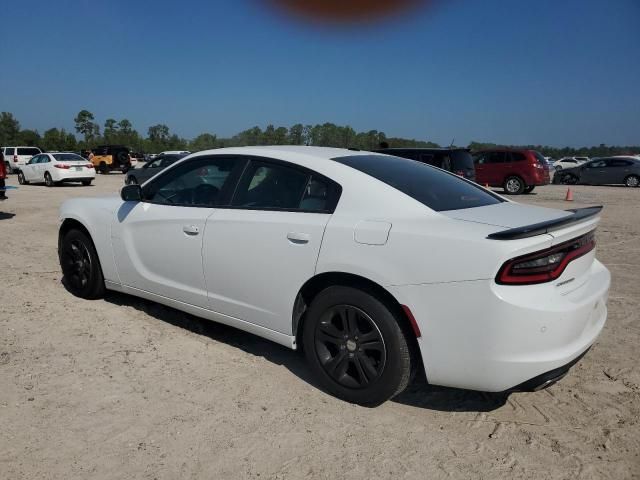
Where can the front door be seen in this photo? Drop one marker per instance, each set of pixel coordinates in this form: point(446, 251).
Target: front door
point(30, 170)
point(594, 172)
point(258, 253)
point(157, 243)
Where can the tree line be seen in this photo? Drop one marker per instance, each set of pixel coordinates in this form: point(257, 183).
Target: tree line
point(159, 138)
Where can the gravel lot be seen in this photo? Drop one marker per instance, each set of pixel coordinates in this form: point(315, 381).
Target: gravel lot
point(124, 388)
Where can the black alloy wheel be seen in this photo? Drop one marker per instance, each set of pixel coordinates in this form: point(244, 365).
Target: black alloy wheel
point(349, 346)
point(81, 266)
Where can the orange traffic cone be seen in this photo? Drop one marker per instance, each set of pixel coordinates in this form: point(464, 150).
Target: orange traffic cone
point(569, 196)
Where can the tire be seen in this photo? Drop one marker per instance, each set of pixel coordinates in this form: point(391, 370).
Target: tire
point(632, 181)
point(86, 183)
point(514, 185)
point(104, 169)
point(21, 179)
point(48, 181)
point(82, 273)
point(529, 189)
point(558, 168)
point(569, 179)
point(366, 376)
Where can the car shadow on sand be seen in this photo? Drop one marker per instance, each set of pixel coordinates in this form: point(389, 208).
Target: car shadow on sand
point(419, 394)
point(6, 215)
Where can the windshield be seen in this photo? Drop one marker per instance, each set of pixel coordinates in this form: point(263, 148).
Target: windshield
point(432, 187)
point(68, 157)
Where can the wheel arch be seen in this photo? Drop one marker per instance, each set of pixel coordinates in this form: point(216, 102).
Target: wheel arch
point(319, 282)
point(69, 224)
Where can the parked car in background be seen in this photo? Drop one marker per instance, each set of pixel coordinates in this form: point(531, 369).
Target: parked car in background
point(516, 171)
point(107, 158)
point(174, 152)
point(378, 266)
point(3, 176)
point(456, 160)
point(55, 168)
point(17, 157)
point(149, 169)
point(569, 162)
point(603, 171)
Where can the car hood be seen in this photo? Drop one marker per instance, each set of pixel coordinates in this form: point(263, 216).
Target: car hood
point(506, 214)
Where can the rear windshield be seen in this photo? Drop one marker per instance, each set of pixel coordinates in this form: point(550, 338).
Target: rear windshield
point(29, 151)
point(434, 188)
point(68, 157)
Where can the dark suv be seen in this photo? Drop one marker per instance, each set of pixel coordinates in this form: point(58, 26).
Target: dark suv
point(456, 160)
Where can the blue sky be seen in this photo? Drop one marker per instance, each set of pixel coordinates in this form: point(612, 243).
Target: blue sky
point(545, 72)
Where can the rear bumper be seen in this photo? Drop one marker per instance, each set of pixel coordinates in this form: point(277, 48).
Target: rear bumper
point(483, 336)
point(61, 175)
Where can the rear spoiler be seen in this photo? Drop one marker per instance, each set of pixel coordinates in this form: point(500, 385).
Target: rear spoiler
point(579, 215)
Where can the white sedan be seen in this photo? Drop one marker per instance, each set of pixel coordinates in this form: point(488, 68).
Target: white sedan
point(55, 168)
point(376, 266)
point(569, 162)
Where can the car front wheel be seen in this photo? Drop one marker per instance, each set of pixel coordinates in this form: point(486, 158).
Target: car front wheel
point(21, 179)
point(356, 347)
point(48, 181)
point(81, 266)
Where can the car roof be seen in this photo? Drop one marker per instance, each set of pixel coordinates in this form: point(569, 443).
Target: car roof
point(421, 149)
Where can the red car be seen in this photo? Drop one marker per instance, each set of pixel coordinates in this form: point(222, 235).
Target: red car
point(3, 175)
point(517, 171)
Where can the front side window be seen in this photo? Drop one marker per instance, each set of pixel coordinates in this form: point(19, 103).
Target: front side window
point(198, 183)
point(597, 164)
point(34, 160)
point(434, 188)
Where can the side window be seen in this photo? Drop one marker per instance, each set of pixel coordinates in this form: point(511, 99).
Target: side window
point(597, 164)
point(271, 186)
point(9, 151)
point(45, 159)
point(198, 183)
point(517, 157)
point(34, 160)
point(316, 196)
point(496, 157)
point(427, 158)
point(620, 163)
point(480, 158)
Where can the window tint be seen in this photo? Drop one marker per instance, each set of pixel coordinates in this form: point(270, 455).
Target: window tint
point(28, 151)
point(570, 161)
point(199, 182)
point(434, 188)
point(495, 157)
point(316, 196)
point(68, 157)
point(518, 157)
point(266, 185)
point(597, 164)
point(34, 160)
point(619, 162)
point(44, 159)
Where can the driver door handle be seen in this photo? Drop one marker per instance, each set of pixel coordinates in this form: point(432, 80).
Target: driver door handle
point(298, 238)
point(190, 229)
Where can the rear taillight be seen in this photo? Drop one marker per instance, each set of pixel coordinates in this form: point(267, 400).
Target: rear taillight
point(15, 159)
point(62, 166)
point(546, 265)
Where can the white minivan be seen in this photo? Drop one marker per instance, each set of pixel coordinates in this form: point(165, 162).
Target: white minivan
point(17, 157)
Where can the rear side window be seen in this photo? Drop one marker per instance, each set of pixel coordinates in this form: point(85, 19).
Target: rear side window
point(616, 162)
point(28, 151)
point(434, 188)
point(517, 157)
point(267, 186)
point(496, 157)
point(9, 151)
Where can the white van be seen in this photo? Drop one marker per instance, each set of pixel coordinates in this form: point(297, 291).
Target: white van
point(17, 157)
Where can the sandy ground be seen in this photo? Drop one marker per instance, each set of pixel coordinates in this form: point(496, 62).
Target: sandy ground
point(124, 388)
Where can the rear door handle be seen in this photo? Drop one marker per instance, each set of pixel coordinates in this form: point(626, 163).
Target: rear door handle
point(190, 229)
point(298, 238)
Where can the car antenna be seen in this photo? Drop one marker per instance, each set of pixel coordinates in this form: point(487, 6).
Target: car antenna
point(452, 140)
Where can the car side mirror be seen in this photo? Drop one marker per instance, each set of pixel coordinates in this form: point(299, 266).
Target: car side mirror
point(131, 193)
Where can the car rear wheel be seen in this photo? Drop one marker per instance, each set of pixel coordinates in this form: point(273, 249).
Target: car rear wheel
point(355, 346)
point(514, 185)
point(80, 265)
point(529, 189)
point(21, 179)
point(104, 168)
point(48, 181)
point(632, 181)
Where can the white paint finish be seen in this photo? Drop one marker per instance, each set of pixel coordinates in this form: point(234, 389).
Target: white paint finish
point(155, 254)
point(371, 232)
point(254, 269)
point(244, 268)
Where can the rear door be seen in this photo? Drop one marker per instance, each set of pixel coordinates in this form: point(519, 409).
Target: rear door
point(618, 169)
point(258, 253)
